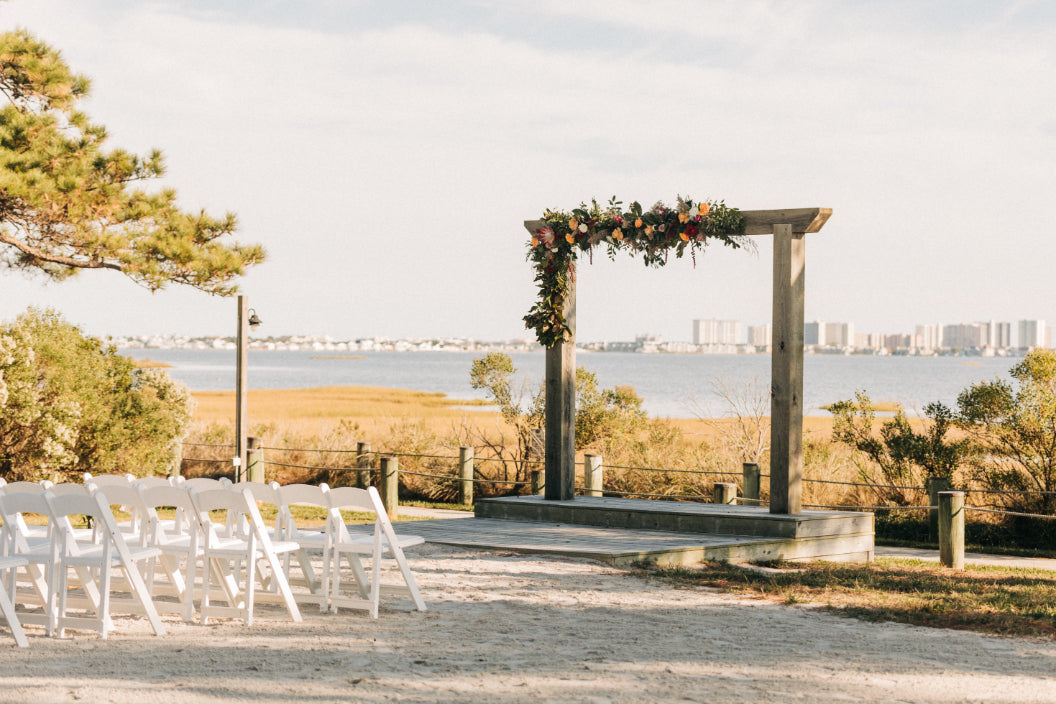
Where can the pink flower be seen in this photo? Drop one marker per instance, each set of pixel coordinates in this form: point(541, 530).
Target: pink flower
point(546, 236)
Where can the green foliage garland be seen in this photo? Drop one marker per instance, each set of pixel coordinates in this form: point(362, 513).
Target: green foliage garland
point(652, 233)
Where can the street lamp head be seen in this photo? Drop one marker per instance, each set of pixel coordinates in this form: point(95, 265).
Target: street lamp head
point(254, 321)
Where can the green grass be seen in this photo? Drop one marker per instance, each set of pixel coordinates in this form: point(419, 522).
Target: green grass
point(996, 600)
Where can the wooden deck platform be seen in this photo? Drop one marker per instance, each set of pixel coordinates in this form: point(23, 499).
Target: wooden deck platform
point(694, 531)
point(614, 546)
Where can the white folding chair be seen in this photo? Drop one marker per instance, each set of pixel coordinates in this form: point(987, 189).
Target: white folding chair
point(129, 499)
point(104, 479)
point(206, 483)
point(94, 562)
point(239, 538)
point(69, 488)
point(310, 540)
point(39, 551)
point(265, 493)
point(180, 543)
point(32, 487)
point(383, 541)
point(151, 482)
point(7, 606)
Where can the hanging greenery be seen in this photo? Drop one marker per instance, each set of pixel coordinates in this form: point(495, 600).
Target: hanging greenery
point(652, 233)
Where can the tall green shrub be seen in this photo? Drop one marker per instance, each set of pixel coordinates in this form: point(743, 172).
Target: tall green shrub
point(69, 403)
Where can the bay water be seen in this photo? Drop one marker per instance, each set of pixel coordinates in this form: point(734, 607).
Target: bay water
point(671, 385)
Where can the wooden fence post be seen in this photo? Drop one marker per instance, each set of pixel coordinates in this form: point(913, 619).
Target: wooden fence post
point(255, 453)
point(724, 493)
point(951, 529)
point(593, 475)
point(390, 485)
point(363, 462)
point(750, 480)
point(538, 477)
point(934, 486)
point(465, 485)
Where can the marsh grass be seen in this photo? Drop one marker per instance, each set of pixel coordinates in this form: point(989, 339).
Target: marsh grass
point(996, 600)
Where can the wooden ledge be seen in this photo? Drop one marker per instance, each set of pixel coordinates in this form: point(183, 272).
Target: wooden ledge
point(761, 222)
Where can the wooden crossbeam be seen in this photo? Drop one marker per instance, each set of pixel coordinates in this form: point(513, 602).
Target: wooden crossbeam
point(761, 222)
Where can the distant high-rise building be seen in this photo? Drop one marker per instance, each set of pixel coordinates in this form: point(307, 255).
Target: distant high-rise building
point(965, 336)
point(929, 337)
point(814, 333)
point(1031, 334)
point(760, 335)
point(839, 334)
point(716, 332)
point(999, 334)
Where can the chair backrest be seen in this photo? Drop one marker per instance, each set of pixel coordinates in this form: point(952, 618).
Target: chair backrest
point(187, 520)
point(350, 498)
point(130, 498)
point(207, 483)
point(27, 487)
point(241, 520)
point(266, 492)
point(13, 506)
point(148, 482)
point(300, 495)
point(107, 479)
point(69, 488)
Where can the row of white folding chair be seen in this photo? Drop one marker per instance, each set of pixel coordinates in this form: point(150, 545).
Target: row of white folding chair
point(93, 556)
point(221, 546)
point(335, 541)
point(178, 552)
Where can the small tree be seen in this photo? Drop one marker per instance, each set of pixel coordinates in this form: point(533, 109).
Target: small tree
point(904, 456)
point(69, 404)
point(601, 414)
point(68, 203)
point(1015, 429)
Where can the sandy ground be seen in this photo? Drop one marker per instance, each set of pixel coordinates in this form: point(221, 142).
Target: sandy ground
point(514, 628)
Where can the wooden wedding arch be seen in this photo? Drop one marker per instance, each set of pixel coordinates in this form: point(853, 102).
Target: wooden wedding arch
point(788, 228)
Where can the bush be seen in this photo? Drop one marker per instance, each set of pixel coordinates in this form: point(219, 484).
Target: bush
point(70, 404)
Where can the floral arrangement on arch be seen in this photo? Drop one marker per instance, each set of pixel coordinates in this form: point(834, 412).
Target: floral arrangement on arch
point(652, 233)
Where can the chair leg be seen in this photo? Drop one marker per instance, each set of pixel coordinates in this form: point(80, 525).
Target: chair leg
point(8, 608)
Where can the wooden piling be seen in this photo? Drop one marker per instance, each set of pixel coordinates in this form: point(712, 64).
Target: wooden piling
point(593, 477)
point(951, 529)
point(363, 463)
point(390, 484)
point(751, 477)
point(724, 493)
point(465, 485)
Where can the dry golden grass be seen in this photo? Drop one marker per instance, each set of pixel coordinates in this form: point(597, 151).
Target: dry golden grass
point(318, 411)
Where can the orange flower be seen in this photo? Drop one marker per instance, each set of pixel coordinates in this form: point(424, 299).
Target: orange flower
point(704, 208)
point(638, 222)
point(683, 217)
point(648, 229)
point(617, 234)
point(684, 236)
point(573, 224)
point(535, 241)
point(570, 239)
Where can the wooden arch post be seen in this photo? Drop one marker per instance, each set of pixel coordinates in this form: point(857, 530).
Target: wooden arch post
point(788, 228)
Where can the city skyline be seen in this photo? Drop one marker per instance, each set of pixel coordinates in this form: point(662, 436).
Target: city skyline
point(387, 156)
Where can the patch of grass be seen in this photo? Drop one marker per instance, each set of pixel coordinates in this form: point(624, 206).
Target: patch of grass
point(995, 600)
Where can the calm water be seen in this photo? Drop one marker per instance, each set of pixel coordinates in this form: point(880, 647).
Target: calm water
point(671, 385)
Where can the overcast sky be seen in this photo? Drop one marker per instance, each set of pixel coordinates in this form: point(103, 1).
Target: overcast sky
point(386, 154)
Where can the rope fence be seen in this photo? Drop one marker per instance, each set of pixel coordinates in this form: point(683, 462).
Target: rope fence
point(597, 490)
